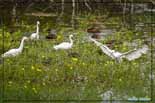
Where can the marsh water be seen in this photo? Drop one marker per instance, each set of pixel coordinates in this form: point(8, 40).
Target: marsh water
point(105, 79)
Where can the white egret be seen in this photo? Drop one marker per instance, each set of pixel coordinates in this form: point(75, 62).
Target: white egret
point(35, 36)
point(65, 45)
point(16, 51)
point(130, 55)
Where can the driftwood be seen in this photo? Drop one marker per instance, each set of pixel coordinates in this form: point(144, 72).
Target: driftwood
point(40, 14)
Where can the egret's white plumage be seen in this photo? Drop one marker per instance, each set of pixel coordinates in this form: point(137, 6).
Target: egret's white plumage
point(130, 55)
point(65, 45)
point(16, 51)
point(137, 53)
point(35, 36)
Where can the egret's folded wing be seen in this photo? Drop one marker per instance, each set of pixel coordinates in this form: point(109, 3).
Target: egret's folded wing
point(137, 53)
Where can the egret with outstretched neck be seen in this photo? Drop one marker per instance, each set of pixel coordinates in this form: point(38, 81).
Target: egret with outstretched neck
point(65, 45)
point(35, 36)
point(16, 51)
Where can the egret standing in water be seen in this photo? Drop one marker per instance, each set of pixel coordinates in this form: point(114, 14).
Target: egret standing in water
point(35, 36)
point(16, 51)
point(65, 45)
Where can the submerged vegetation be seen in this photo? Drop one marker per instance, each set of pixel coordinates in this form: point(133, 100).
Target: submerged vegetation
point(82, 72)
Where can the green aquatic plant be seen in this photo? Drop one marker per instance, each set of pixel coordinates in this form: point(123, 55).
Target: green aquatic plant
point(43, 73)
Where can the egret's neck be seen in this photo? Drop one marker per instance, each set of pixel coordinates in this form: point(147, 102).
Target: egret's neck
point(21, 45)
point(71, 41)
point(37, 29)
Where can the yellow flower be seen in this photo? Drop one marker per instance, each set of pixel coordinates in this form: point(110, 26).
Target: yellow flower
point(25, 86)
point(111, 62)
point(28, 81)
point(34, 89)
point(105, 64)
point(124, 47)
point(134, 64)
point(10, 82)
point(56, 70)
point(44, 83)
point(23, 69)
point(38, 70)
point(120, 79)
point(75, 59)
point(8, 60)
point(59, 37)
point(43, 56)
point(71, 68)
point(26, 47)
point(83, 63)
point(32, 67)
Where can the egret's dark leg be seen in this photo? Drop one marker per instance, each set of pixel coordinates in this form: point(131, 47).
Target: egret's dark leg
point(31, 43)
point(36, 43)
point(41, 43)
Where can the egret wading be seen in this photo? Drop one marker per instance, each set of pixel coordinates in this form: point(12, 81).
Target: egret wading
point(16, 51)
point(35, 36)
point(64, 45)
